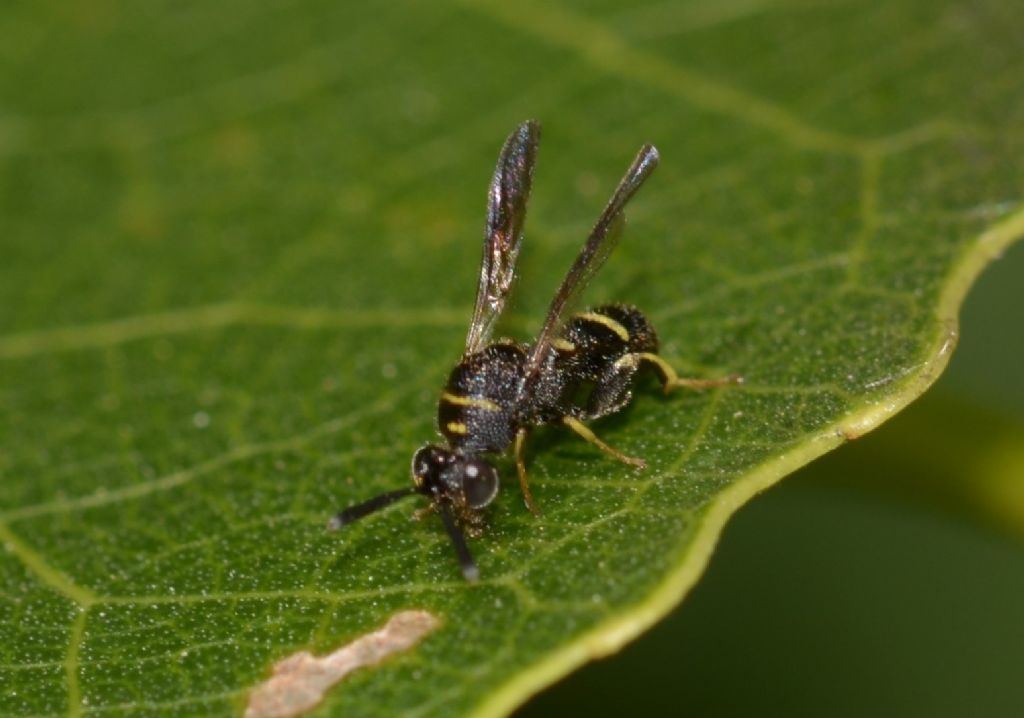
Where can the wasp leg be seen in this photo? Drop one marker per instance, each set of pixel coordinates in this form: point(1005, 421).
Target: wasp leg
point(670, 380)
point(613, 388)
point(474, 524)
point(421, 513)
point(521, 470)
point(580, 428)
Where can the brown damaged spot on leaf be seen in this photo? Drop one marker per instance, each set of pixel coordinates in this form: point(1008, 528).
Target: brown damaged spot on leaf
point(300, 680)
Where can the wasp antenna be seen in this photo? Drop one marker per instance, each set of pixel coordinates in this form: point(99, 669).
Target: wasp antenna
point(645, 158)
point(469, 568)
point(353, 513)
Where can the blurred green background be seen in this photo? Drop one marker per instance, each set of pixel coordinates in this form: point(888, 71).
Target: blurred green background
point(885, 579)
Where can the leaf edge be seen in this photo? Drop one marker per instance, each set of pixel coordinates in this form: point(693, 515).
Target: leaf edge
point(613, 634)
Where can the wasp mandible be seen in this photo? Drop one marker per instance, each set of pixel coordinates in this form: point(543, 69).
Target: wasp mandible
point(580, 367)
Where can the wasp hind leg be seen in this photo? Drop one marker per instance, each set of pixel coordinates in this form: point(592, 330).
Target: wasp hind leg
point(671, 380)
point(591, 438)
point(520, 446)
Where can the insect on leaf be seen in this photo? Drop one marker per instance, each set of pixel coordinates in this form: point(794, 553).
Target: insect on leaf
point(239, 245)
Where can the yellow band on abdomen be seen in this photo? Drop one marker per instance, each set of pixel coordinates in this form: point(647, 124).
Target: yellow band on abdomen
point(606, 321)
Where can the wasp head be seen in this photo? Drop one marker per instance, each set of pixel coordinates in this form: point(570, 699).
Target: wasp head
point(460, 480)
point(456, 483)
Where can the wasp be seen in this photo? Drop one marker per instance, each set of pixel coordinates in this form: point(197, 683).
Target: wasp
point(580, 367)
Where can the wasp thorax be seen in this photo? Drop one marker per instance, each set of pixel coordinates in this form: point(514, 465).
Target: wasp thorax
point(445, 474)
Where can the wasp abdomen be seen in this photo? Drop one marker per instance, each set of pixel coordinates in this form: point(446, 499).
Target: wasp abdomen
point(606, 333)
point(601, 348)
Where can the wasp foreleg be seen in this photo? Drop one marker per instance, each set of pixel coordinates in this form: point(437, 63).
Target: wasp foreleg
point(423, 512)
point(520, 446)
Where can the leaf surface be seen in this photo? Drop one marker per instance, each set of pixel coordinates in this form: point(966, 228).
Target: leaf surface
point(239, 250)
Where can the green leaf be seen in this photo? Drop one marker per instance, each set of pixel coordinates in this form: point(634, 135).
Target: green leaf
point(239, 247)
point(832, 581)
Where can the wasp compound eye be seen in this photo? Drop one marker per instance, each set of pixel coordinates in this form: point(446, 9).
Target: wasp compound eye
point(479, 483)
point(421, 464)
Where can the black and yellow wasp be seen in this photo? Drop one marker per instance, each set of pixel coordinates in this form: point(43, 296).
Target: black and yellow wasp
point(580, 367)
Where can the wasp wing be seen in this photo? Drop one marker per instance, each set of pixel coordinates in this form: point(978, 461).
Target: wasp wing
point(506, 212)
point(600, 244)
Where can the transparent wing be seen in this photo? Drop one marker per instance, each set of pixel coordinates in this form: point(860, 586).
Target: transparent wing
point(506, 212)
point(600, 244)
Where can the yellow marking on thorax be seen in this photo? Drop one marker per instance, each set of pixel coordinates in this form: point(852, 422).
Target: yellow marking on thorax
point(457, 427)
point(563, 345)
point(608, 322)
point(629, 360)
point(457, 400)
